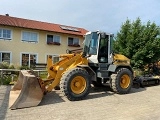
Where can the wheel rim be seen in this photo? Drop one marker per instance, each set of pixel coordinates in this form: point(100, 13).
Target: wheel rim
point(125, 81)
point(78, 85)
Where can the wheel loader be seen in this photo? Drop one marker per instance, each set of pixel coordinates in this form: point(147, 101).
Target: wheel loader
point(75, 72)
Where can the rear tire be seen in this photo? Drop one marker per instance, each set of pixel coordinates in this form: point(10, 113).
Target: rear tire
point(75, 84)
point(122, 81)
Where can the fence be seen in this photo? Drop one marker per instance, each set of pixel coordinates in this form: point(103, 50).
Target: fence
point(11, 71)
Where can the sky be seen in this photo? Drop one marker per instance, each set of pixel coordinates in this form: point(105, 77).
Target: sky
point(92, 15)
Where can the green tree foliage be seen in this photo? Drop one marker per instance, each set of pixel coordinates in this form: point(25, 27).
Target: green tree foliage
point(138, 42)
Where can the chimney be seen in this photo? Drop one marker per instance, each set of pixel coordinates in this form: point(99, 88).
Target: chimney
point(7, 14)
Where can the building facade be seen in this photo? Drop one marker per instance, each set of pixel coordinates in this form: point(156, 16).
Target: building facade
point(24, 42)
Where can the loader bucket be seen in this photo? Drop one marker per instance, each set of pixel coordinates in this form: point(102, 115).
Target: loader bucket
point(26, 92)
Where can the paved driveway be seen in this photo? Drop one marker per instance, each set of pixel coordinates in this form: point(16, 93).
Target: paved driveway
point(101, 104)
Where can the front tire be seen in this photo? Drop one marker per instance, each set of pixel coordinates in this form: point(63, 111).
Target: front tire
point(75, 84)
point(121, 82)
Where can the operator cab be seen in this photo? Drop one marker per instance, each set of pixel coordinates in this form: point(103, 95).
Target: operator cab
point(98, 45)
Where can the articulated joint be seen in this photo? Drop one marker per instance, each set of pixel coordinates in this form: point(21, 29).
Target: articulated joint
point(51, 68)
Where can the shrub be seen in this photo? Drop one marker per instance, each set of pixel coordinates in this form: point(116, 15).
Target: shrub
point(138, 72)
point(4, 65)
point(11, 66)
point(6, 79)
point(24, 68)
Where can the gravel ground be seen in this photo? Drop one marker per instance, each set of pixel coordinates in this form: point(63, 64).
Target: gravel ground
point(100, 104)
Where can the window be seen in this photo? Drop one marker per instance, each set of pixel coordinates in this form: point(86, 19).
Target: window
point(73, 42)
point(53, 39)
point(55, 58)
point(5, 34)
point(28, 59)
point(5, 57)
point(29, 36)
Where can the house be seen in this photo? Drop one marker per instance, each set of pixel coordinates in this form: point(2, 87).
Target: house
point(24, 42)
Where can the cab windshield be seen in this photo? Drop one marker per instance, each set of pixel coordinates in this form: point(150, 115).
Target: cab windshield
point(91, 43)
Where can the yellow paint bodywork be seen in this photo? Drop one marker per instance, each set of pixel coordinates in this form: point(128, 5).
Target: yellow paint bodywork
point(68, 61)
point(120, 59)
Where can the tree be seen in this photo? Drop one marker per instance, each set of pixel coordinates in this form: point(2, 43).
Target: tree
point(138, 42)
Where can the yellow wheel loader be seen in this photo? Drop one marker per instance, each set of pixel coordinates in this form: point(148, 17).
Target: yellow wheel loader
point(75, 73)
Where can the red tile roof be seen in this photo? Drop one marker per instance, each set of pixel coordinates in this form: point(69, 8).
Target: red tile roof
point(38, 25)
